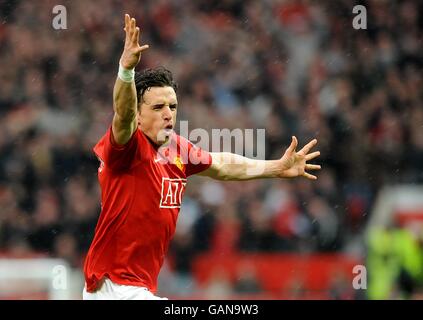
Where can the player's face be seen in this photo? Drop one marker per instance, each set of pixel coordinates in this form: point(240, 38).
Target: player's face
point(157, 113)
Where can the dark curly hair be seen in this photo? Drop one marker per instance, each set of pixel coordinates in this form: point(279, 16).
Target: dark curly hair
point(157, 77)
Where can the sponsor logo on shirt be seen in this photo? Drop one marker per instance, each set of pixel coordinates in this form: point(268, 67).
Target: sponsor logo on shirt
point(172, 191)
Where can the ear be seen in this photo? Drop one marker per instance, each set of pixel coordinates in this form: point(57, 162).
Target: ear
point(138, 114)
point(138, 117)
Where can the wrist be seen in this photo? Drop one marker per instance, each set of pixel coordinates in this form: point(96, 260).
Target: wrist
point(126, 75)
point(280, 170)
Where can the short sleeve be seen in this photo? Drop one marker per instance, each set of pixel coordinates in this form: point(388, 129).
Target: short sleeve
point(198, 160)
point(114, 156)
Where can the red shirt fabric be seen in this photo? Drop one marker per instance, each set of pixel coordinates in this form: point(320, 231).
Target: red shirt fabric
point(141, 193)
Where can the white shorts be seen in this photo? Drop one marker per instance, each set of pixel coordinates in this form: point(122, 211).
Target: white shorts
point(109, 290)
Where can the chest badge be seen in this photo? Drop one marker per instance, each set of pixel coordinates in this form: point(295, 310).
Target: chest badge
point(178, 162)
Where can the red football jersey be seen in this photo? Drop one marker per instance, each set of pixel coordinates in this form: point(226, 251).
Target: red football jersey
point(141, 193)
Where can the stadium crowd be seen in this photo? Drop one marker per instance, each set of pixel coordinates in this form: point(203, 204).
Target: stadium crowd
point(291, 67)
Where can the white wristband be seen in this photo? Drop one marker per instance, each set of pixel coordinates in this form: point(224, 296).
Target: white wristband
point(126, 75)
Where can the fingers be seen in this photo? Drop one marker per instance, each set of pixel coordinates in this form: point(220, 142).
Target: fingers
point(132, 28)
point(133, 33)
point(136, 40)
point(312, 167)
point(306, 149)
point(293, 145)
point(129, 27)
point(312, 155)
point(136, 36)
point(309, 176)
point(144, 47)
point(127, 20)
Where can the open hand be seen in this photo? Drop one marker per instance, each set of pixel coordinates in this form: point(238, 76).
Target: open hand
point(294, 164)
point(132, 51)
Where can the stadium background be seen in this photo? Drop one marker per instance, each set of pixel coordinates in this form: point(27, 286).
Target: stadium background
point(291, 67)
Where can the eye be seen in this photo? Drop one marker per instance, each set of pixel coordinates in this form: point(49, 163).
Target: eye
point(173, 106)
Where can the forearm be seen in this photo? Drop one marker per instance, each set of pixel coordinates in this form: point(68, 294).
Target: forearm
point(125, 107)
point(233, 167)
point(125, 100)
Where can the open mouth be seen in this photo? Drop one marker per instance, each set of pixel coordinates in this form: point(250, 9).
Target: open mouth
point(167, 130)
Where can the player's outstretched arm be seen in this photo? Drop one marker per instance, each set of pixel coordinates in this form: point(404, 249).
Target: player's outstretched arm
point(229, 166)
point(124, 92)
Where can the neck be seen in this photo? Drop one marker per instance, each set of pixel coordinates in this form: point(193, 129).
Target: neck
point(155, 144)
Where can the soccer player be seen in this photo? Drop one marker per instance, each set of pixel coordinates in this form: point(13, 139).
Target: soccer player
point(143, 173)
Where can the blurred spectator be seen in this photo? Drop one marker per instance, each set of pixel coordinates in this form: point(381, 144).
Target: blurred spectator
point(219, 286)
point(395, 262)
point(246, 280)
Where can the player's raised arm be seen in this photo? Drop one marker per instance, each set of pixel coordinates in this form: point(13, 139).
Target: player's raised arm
point(124, 91)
